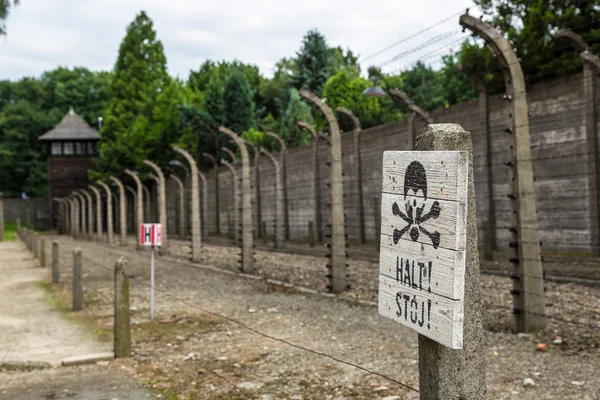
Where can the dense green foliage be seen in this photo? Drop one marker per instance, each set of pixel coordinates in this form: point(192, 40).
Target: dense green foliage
point(31, 107)
point(145, 110)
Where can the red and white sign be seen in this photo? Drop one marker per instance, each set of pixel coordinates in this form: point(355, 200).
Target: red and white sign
point(150, 235)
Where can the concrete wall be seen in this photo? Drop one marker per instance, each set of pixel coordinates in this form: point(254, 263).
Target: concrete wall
point(559, 151)
point(34, 212)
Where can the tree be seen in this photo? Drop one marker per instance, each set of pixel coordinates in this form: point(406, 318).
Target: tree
point(530, 25)
point(238, 103)
point(343, 91)
point(5, 6)
point(140, 75)
point(296, 111)
point(347, 61)
point(314, 64)
point(424, 87)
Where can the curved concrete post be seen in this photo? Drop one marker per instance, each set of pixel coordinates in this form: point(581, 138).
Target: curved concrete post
point(187, 182)
point(82, 213)
point(203, 204)
point(72, 216)
point(338, 279)
point(216, 178)
point(528, 296)
point(147, 204)
point(230, 152)
point(402, 97)
point(236, 204)
point(162, 209)
point(109, 212)
point(195, 214)
point(181, 208)
point(360, 209)
point(484, 111)
point(257, 197)
point(279, 224)
point(283, 169)
point(316, 181)
point(116, 207)
point(247, 230)
point(122, 210)
point(134, 209)
point(98, 212)
point(90, 213)
point(139, 197)
point(591, 129)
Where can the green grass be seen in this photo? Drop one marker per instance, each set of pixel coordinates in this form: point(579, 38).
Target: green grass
point(10, 231)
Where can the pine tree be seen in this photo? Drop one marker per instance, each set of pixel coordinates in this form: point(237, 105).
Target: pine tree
point(238, 103)
point(314, 64)
point(296, 111)
point(140, 75)
point(5, 6)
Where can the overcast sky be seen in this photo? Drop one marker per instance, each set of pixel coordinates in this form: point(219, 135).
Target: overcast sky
point(44, 34)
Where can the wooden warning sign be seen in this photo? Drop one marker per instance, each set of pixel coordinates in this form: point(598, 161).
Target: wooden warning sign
point(423, 238)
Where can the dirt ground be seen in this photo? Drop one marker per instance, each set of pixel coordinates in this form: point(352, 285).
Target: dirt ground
point(189, 354)
point(34, 330)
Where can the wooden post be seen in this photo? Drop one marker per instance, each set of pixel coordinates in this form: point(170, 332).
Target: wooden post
point(42, 252)
point(2, 217)
point(279, 219)
point(360, 208)
point(195, 214)
point(316, 181)
point(247, 230)
point(77, 280)
point(528, 293)
point(311, 234)
point(55, 264)
point(162, 207)
point(337, 276)
point(122, 326)
point(444, 373)
point(109, 217)
point(216, 178)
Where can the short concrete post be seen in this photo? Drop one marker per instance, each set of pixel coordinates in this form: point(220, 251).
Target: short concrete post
point(77, 280)
point(446, 374)
point(55, 265)
point(337, 275)
point(122, 327)
point(42, 252)
point(2, 217)
point(311, 234)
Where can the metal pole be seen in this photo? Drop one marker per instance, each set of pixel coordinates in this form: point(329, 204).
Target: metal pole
point(152, 284)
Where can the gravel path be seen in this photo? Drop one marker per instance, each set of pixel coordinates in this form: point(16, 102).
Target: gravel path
point(203, 357)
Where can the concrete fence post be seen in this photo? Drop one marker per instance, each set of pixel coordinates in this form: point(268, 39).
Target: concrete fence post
point(337, 276)
point(98, 212)
point(279, 217)
point(234, 216)
point(134, 213)
point(42, 252)
point(311, 234)
point(401, 97)
point(83, 219)
point(528, 293)
point(187, 197)
point(122, 326)
point(77, 280)
point(360, 208)
point(283, 168)
point(55, 264)
point(122, 211)
point(90, 213)
point(195, 206)
point(35, 245)
point(180, 215)
point(591, 67)
point(109, 217)
point(247, 229)
point(203, 205)
point(162, 208)
point(216, 179)
point(316, 180)
point(1, 217)
point(444, 373)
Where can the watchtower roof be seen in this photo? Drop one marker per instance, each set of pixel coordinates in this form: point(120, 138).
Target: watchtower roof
point(72, 127)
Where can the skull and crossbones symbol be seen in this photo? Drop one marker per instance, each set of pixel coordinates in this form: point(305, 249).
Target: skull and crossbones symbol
point(415, 181)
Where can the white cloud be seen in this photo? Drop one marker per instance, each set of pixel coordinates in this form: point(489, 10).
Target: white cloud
point(44, 34)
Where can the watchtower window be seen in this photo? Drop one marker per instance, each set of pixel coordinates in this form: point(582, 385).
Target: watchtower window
point(79, 148)
point(68, 148)
point(91, 148)
point(56, 148)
